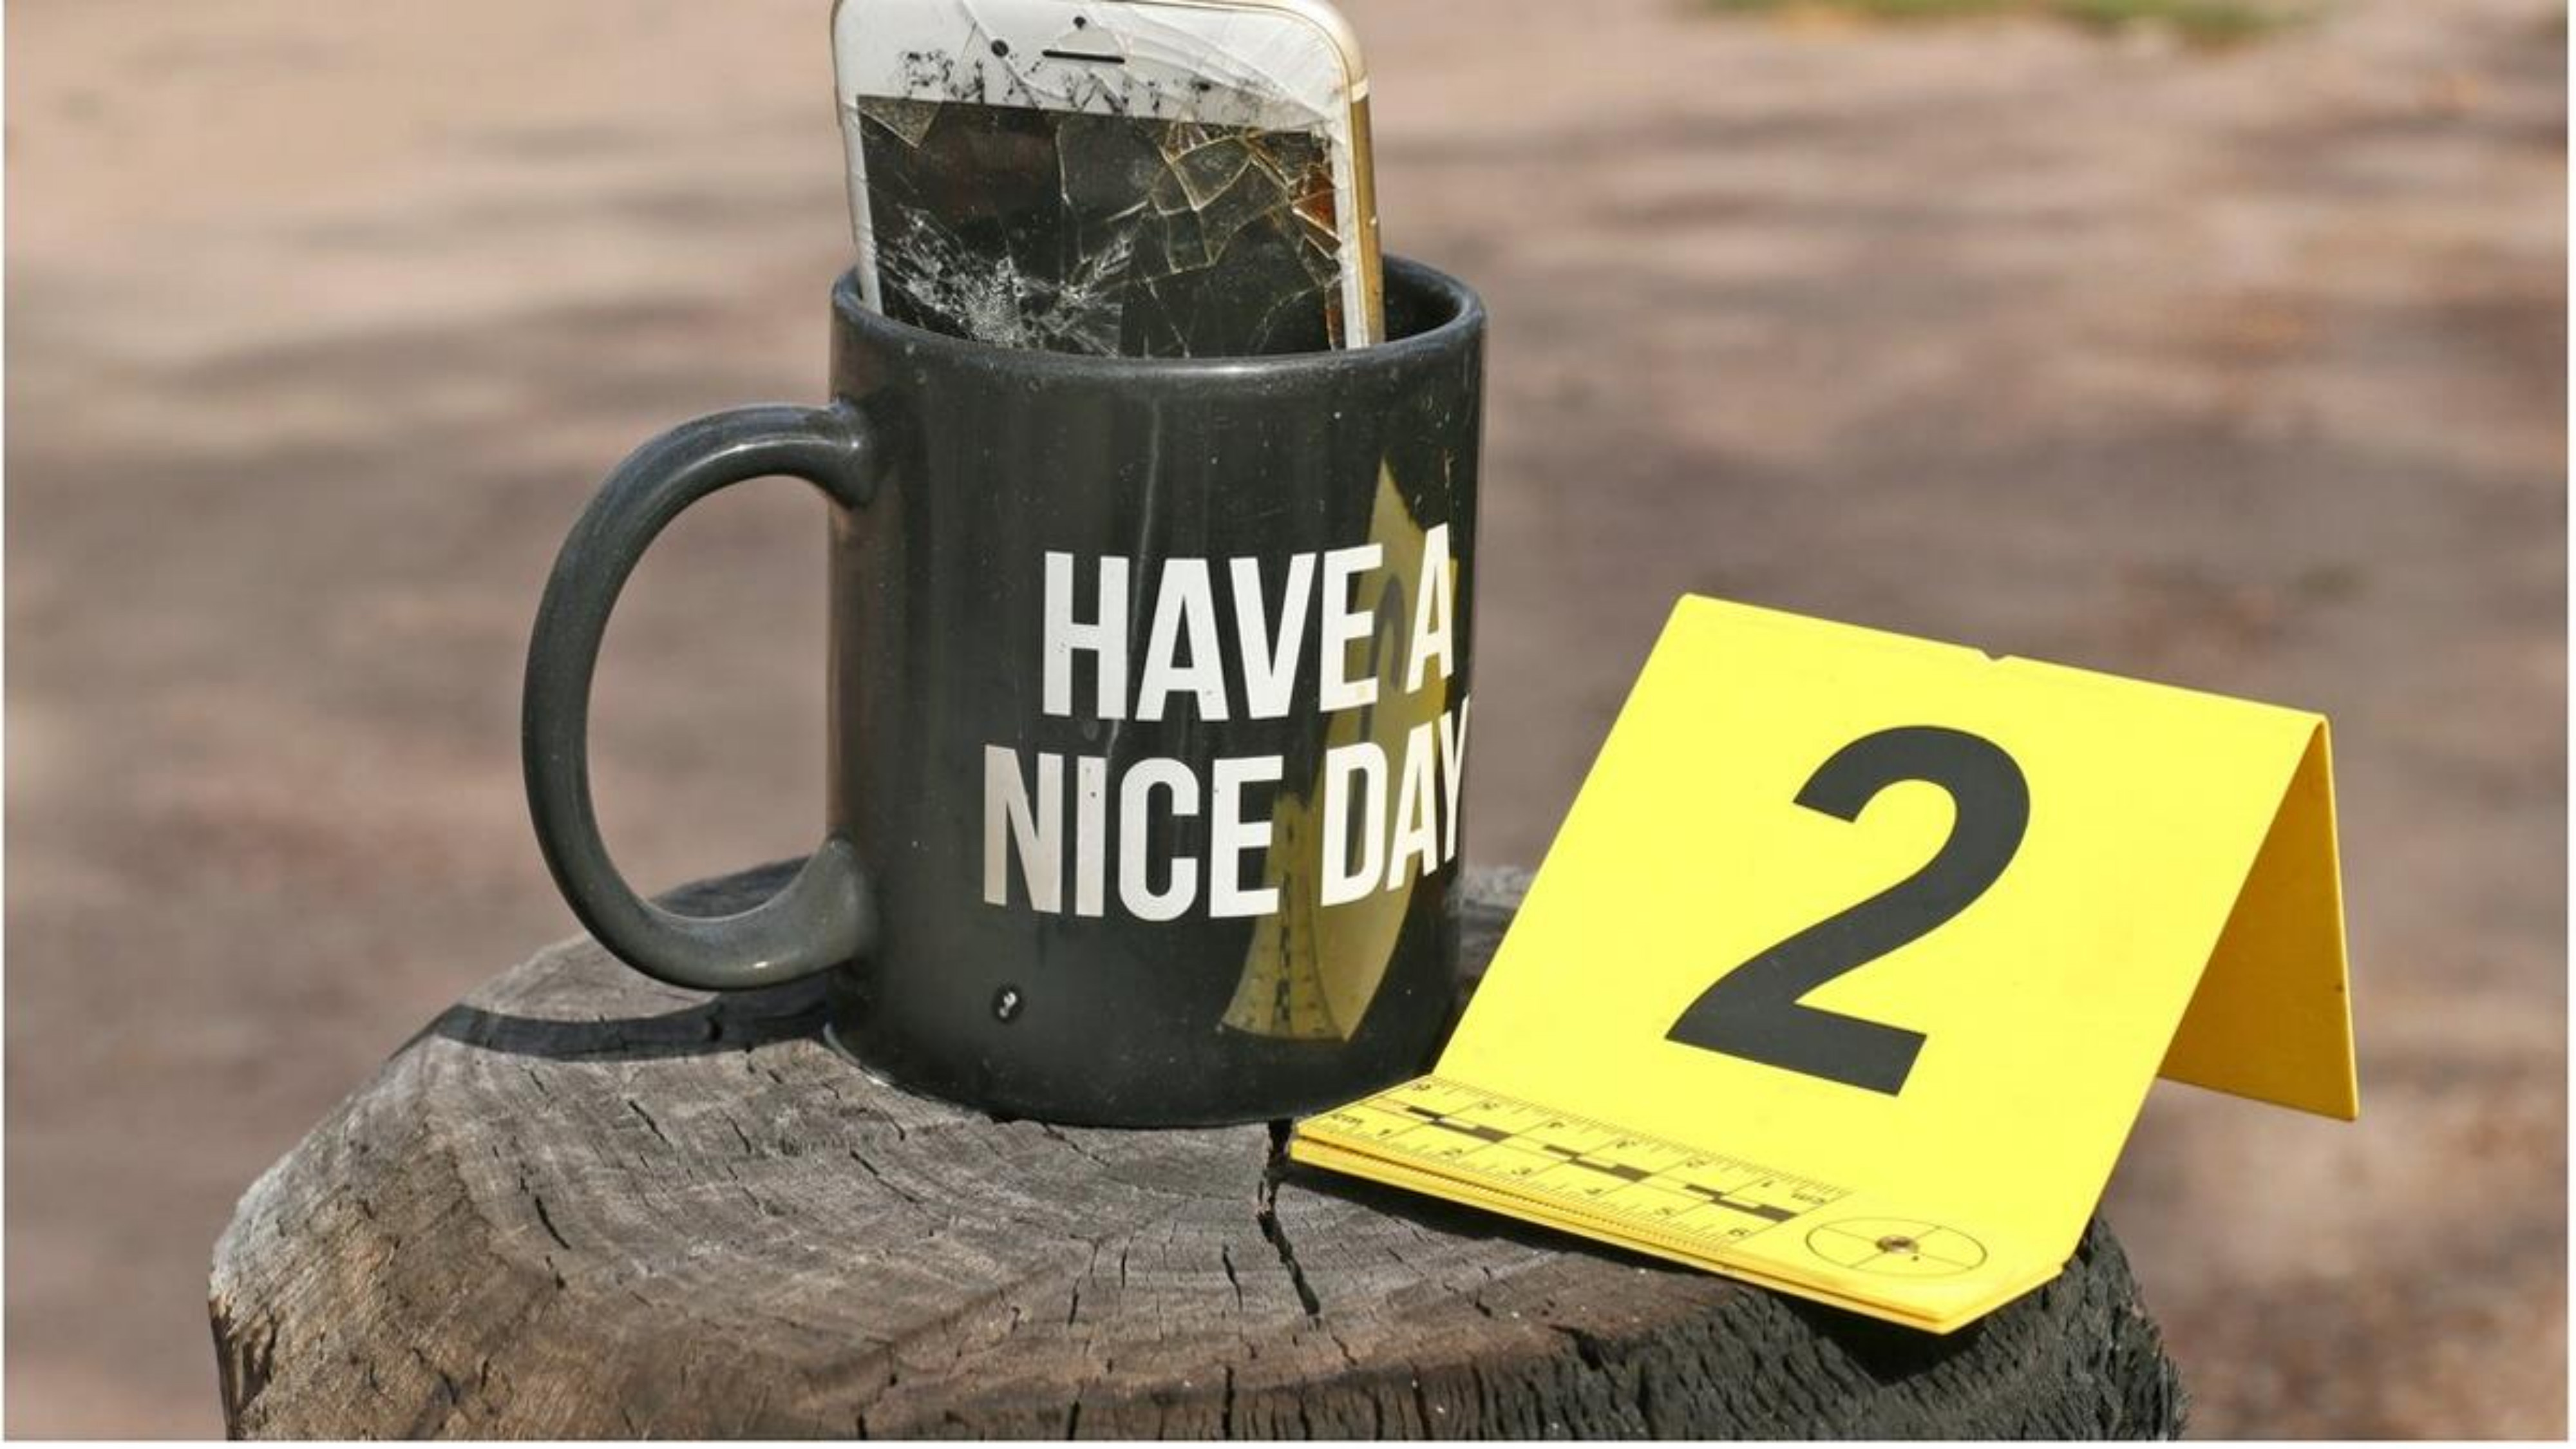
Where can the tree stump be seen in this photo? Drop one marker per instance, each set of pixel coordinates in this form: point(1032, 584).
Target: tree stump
point(585, 1204)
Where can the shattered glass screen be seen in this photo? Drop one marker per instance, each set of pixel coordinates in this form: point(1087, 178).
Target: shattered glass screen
point(1115, 235)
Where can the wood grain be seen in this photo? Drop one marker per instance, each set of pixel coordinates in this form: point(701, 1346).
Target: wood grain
point(584, 1204)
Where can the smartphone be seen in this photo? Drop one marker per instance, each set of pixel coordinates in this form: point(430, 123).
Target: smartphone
point(1142, 178)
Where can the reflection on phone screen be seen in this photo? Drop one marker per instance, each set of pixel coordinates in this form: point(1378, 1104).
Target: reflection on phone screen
point(1115, 235)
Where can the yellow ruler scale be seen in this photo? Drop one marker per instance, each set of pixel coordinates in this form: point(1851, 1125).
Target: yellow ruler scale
point(1855, 958)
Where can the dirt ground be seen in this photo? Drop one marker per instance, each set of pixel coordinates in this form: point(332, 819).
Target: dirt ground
point(2242, 370)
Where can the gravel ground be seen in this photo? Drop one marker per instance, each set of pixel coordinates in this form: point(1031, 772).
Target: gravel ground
point(2243, 370)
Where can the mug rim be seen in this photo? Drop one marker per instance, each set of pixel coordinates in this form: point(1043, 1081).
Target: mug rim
point(1461, 312)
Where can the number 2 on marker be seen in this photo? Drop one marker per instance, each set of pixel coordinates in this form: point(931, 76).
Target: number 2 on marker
point(1754, 1011)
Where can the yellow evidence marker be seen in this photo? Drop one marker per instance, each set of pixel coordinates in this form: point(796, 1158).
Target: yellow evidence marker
point(1850, 968)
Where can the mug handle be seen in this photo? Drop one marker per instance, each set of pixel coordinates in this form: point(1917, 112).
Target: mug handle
point(826, 915)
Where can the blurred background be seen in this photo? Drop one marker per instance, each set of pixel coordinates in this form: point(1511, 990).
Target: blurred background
point(2215, 343)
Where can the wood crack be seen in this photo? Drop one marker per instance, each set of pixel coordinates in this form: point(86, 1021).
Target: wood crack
point(1267, 1215)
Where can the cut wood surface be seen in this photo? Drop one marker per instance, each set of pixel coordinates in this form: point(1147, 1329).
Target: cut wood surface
point(582, 1203)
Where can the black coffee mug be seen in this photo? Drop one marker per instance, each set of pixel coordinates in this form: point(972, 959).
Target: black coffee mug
point(1149, 706)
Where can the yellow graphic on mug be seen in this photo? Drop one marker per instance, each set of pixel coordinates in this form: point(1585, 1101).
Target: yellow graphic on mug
point(1381, 810)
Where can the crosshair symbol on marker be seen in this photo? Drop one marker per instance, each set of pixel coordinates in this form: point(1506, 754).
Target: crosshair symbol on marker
point(1896, 1247)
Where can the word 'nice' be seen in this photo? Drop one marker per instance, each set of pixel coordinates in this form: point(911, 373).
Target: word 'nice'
point(1167, 835)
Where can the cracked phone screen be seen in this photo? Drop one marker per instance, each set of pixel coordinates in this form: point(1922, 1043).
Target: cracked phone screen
point(1120, 235)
